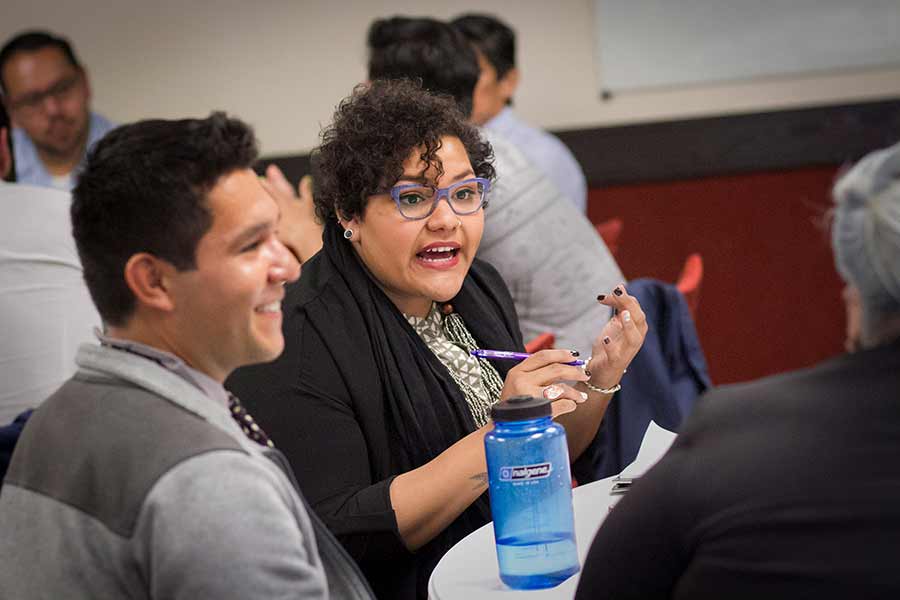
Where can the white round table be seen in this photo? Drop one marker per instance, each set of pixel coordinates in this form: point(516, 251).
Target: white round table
point(469, 570)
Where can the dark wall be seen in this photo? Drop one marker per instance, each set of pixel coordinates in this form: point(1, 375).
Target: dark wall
point(787, 139)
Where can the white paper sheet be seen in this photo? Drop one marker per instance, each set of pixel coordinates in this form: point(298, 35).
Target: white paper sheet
point(656, 442)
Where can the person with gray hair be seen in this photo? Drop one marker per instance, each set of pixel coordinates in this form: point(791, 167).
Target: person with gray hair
point(788, 486)
point(866, 238)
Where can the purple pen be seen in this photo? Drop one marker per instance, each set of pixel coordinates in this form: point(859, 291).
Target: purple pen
point(506, 355)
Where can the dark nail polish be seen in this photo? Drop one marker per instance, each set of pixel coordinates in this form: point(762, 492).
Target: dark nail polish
point(575, 353)
point(601, 297)
point(606, 340)
point(586, 372)
point(617, 291)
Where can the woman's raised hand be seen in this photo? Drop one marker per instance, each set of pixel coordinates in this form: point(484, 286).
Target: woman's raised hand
point(299, 228)
point(619, 341)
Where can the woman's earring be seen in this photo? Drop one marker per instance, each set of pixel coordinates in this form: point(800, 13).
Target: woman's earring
point(348, 233)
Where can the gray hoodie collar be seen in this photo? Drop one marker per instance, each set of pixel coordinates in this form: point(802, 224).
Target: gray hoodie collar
point(113, 363)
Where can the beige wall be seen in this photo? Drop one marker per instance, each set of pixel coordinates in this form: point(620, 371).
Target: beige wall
point(284, 64)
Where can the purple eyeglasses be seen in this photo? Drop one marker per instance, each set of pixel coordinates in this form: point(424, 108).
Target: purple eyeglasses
point(417, 201)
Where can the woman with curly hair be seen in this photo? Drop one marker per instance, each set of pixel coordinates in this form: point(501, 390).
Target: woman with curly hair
point(377, 401)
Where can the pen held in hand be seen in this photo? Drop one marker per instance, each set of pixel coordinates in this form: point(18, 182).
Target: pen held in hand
point(506, 355)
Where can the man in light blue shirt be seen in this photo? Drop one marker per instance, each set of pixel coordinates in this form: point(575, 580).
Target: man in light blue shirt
point(495, 46)
point(47, 94)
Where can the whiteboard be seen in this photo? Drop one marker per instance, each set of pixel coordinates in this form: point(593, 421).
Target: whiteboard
point(657, 43)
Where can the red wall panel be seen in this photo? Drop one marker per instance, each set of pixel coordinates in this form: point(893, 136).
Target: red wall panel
point(770, 298)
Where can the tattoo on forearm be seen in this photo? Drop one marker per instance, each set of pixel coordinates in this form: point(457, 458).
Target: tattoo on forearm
point(481, 480)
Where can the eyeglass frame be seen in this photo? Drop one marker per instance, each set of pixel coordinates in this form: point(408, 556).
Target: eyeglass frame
point(439, 193)
point(59, 91)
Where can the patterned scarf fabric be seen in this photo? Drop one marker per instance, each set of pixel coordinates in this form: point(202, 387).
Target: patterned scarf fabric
point(452, 343)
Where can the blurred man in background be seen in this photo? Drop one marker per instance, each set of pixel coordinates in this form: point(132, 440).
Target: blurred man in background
point(495, 47)
point(47, 95)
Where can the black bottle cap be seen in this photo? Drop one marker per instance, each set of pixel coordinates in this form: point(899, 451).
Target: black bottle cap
point(521, 408)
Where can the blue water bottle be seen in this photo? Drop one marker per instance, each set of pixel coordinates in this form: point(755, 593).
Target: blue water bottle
point(531, 494)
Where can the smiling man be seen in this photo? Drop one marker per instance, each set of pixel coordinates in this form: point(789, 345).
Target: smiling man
point(141, 476)
point(47, 94)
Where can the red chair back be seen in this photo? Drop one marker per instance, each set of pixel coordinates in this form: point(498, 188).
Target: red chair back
point(689, 281)
point(544, 341)
point(611, 232)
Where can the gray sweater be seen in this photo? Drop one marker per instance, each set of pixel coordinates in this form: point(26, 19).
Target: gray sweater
point(129, 482)
point(550, 256)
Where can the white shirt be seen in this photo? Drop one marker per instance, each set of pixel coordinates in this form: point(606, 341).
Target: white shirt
point(45, 308)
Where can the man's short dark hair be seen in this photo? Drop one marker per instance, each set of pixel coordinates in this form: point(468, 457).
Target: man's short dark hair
point(424, 49)
point(32, 41)
point(143, 189)
point(492, 37)
point(373, 133)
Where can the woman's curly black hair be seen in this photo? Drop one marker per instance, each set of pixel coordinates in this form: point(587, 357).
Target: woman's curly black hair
point(374, 130)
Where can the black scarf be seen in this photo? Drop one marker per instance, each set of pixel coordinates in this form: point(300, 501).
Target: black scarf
point(378, 353)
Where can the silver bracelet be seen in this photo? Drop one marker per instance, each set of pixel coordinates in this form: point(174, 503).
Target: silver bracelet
point(600, 390)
